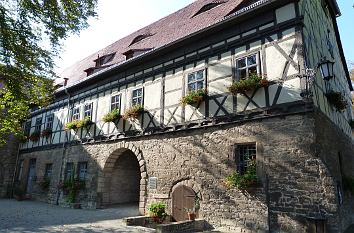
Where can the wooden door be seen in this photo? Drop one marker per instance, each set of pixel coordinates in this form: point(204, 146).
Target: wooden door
point(31, 175)
point(183, 198)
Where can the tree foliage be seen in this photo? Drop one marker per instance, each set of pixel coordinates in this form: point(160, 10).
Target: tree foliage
point(31, 33)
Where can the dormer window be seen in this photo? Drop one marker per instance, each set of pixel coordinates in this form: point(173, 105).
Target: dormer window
point(208, 7)
point(100, 61)
point(134, 52)
point(139, 38)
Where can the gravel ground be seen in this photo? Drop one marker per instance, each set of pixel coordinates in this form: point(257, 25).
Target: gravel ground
point(30, 216)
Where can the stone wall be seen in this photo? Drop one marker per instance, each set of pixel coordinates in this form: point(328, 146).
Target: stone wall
point(8, 154)
point(336, 150)
point(297, 190)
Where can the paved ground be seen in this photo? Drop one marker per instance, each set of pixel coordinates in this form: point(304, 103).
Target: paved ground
point(29, 216)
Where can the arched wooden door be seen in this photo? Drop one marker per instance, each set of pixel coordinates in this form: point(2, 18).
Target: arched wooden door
point(183, 198)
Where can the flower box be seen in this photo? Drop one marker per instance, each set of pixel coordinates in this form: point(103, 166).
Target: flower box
point(337, 100)
point(194, 98)
point(112, 116)
point(77, 124)
point(46, 133)
point(133, 112)
point(34, 137)
point(243, 86)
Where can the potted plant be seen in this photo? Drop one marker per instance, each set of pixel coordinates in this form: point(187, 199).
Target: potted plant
point(243, 181)
point(34, 137)
point(251, 83)
point(337, 100)
point(19, 193)
point(71, 188)
point(158, 211)
point(133, 112)
point(194, 97)
point(112, 116)
point(45, 183)
point(46, 133)
point(192, 212)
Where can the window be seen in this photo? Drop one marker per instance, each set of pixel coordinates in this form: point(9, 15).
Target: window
point(38, 124)
point(139, 38)
point(20, 170)
point(115, 102)
point(100, 61)
point(88, 110)
point(49, 121)
point(246, 66)
point(69, 171)
point(82, 170)
point(244, 155)
point(195, 81)
point(48, 170)
point(27, 129)
point(76, 113)
point(207, 7)
point(137, 98)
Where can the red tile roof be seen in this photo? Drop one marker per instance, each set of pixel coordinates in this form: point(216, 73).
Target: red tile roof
point(166, 30)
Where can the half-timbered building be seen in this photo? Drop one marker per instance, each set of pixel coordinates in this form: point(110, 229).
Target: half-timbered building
point(183, 115)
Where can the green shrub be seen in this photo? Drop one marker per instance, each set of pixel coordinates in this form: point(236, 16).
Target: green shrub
point(112, 116)
point(158, 211)
point(133, 112)
point(337, 100)
point(193, 97)
point(244, 85)
point(45, 183)
point(247, 180)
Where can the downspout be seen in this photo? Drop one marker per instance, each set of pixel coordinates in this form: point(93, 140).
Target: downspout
point(64, 143)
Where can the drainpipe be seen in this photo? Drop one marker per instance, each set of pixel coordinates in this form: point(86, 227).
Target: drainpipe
point(66, 140)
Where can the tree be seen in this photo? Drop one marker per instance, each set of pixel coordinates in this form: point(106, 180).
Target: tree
point(31, 34)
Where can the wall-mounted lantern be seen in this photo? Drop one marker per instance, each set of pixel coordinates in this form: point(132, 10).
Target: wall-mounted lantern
point(326, 68)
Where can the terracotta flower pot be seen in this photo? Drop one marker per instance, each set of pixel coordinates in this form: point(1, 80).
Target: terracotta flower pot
point(191, 216)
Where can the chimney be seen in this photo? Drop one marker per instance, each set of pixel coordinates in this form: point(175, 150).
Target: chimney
point(65, 81)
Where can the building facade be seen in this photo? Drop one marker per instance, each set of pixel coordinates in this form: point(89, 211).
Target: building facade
point(156, 149)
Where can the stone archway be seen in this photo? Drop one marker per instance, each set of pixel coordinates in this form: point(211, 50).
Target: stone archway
point(123, 178)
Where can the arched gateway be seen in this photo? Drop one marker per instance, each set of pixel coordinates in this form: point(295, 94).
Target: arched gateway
point(123, 178)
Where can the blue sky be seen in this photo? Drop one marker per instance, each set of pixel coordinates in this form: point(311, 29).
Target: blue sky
point(117, 19)
point(346, 27)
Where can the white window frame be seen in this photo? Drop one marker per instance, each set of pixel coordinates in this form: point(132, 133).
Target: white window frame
point(247, 67)
point(118, 103)
point(88, 112)
point(49, 121)
point(142, 96)
point(76, 113)
point(38, 125)
point(196, 81)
